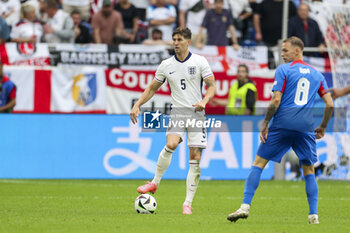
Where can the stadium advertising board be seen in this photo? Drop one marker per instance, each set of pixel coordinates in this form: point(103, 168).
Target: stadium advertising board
point(109, 56)
point(143, 57)
point(110, 147)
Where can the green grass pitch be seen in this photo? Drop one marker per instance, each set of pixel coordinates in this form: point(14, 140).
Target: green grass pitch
point(76, 206)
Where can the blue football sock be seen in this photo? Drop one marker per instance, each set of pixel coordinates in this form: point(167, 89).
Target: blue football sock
point(251, 184)
point(311, 192)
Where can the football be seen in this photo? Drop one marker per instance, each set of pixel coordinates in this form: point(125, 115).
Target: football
point(145, 204)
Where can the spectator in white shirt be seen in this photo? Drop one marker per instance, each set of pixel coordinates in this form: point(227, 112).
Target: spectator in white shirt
point(191, 15)
point(83, 6)
point(241, 12)
point(34, 3)
point(42, 15)
point(29, 29)
point(60, 26)
point(10, 11)
point(163, 17)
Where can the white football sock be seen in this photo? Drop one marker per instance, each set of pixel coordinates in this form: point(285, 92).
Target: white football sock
point(163, 163)
point(192, 181)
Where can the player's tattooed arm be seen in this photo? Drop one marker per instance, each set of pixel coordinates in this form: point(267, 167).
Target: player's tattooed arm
point(273, 106)
point(271, 110)
point(211, 89)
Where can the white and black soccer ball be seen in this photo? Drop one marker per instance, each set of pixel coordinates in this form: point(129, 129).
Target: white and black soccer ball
point(145, 204)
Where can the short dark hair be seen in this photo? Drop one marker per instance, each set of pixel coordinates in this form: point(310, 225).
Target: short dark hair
point(244, 66)
point(156, 30)
point(51, 4)
point(295, 41)
point(75, 12)
point(183, 31)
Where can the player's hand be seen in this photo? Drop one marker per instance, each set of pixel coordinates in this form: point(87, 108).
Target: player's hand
point(264, 132)
point(319, 132)
point(336, 92)
point(135, 111)
point(214, 102)
point(198, 107)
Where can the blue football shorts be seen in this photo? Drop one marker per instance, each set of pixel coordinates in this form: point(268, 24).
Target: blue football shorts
point(279, 141)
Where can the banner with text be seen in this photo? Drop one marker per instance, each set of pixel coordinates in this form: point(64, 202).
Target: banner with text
point(25, 54)
point(142, 57)
point(124, 87)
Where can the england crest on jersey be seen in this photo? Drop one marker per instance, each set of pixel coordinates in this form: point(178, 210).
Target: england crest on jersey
point(192, 70)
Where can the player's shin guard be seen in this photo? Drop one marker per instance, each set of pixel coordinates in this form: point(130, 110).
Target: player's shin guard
point(251, 184)
point(192, 181)
point(311, 188)
point(163, 163)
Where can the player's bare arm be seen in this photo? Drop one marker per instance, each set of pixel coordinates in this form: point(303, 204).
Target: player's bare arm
point(211, 89)
point(271, 110)
point(339, 92)
point(320, 130)
point(146, 95)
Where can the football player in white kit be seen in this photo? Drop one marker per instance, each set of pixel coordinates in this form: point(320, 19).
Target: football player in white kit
point(185, 73)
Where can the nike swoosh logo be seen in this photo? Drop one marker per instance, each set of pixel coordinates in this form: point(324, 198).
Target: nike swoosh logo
point(172, 72)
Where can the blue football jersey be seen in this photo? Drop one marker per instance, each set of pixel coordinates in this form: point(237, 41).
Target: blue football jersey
point(299, 83)
point(8, 91)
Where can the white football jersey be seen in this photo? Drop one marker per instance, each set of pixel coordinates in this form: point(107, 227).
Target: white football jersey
point(185, 78)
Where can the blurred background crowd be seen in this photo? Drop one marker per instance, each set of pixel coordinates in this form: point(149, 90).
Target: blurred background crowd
point(213, 22)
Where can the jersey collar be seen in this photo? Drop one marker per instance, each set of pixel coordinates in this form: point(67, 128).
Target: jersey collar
point(298, 62)
point(188, 57)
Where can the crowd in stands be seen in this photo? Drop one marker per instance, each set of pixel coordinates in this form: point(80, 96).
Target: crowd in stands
point(213, 22)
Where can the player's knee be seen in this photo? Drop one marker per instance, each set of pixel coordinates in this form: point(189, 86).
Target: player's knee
point(308, 170)
point(195, 154)
point(195, 157)
point(171, 145)
point(260, 162)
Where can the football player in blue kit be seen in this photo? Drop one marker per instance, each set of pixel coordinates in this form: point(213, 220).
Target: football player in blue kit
point(294, 91)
